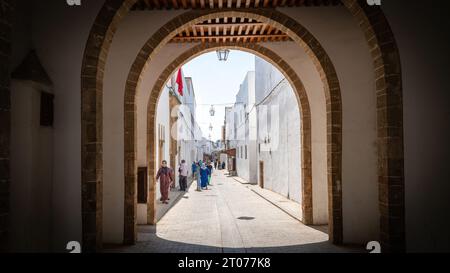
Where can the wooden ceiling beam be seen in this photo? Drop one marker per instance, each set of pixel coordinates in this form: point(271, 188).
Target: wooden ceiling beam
point(195, 4)
point(224, 32)
point(217, 31)
point(229, 24)
point(202, 33)
point(239, 32)
point(281, 37)
point(261, 32)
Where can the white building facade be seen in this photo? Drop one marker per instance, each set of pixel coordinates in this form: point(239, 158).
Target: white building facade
point(178, 133)
point(279, 140)
point(241, 127)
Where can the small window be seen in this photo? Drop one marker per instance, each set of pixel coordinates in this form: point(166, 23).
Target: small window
point(46, 116)
point(245, 151)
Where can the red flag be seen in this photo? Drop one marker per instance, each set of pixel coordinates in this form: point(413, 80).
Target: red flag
point(180, 82)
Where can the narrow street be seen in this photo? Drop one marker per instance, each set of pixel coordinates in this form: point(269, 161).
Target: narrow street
point(229, 218)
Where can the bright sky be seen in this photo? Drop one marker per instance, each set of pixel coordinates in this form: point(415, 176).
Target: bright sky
point(215, 83)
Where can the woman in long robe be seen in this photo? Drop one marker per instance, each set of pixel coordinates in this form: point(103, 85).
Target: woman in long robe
point(165, 176)
point(204, 174)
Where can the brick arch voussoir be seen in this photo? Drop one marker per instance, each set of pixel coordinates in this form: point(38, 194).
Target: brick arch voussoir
point(389, 92)
point(323, 65)
point(93, 66)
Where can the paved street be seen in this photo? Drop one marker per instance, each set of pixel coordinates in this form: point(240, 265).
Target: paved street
point(229, 218)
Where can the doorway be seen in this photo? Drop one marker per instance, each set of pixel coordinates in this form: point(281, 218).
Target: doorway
point(261, 174)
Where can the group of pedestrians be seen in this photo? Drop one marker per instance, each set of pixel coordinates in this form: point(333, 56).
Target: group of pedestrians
point(200, 171)
point(219, 165)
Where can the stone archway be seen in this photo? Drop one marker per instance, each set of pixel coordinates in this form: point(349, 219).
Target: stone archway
point(389, 92)
point(282, 66)
point(389, 104)
point(330, 82)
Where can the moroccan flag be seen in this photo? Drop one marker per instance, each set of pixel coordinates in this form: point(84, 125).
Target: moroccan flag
point(180, 82)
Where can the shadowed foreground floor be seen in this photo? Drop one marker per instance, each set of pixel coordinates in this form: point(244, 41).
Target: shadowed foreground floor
point(229, 218)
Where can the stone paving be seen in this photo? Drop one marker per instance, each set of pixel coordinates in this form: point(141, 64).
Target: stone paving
point(229, 218)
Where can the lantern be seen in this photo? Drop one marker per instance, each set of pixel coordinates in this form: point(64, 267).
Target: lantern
point(222, 54)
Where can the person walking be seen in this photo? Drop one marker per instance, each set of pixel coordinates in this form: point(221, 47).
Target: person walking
point(210, 168)
point(197, 176)
point(183, 171)
point(165, 176)
point(204, 174)
point(194, 169)
point(215, 164)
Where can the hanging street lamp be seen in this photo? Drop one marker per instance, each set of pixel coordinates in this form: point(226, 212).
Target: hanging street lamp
point(210, 127)
point(212, 111)
point(222, 54)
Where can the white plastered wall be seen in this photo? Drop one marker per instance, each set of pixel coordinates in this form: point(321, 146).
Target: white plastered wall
point(59, 35)
point(131, 35)
point(343, 40)
point(307, 72)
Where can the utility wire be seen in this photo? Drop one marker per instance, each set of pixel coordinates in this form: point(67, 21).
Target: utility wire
point(262, 101)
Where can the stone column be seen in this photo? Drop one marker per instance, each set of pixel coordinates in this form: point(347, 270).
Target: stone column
point(6, 11)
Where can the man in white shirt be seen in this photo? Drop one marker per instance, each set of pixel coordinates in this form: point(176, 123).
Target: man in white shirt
point(183, 170)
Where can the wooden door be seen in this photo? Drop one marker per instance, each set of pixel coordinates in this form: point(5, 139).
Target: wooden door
point(261, 174)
